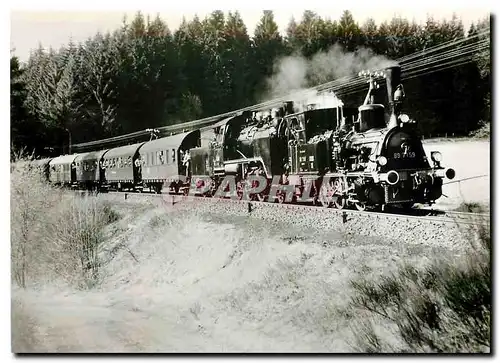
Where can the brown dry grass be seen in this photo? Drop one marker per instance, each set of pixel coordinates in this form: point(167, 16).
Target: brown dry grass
point(55, 235)
point(442, 308)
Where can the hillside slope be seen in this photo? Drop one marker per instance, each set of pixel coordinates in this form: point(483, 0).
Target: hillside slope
point(180, 282)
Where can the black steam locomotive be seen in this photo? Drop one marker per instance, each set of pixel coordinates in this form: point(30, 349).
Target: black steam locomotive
point(333, 155)
point(318, 151)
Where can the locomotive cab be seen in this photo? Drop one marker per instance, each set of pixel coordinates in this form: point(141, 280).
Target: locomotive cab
point(310, 140)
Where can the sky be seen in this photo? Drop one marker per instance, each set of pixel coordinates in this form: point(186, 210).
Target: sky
point(35, 24)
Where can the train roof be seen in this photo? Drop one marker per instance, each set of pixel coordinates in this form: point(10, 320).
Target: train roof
point(63, 159)
point(92, 155)
point(123, 151)
point(164, 143)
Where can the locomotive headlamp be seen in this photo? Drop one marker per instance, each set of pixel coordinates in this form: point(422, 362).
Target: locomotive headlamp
point(382, 160)
point(436, 156)
point(404, 118)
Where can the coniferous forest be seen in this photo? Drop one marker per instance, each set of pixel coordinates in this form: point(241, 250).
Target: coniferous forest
point(146, 75)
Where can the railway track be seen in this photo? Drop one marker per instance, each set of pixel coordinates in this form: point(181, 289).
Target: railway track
point(431, 216)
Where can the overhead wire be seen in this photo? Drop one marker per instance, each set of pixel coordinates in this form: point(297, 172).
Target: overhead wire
point(421, 68)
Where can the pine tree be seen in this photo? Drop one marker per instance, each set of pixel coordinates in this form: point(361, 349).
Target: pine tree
point(237, 56)
point(269, 46)
point(348, 32)
point(370, 36)
point(308, 33)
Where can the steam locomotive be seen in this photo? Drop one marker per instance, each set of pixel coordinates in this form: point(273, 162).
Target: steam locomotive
point(334, 155)
point(319, 151)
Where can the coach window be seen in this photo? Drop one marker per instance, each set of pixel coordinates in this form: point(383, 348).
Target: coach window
point(166, 156)
point(173, 155)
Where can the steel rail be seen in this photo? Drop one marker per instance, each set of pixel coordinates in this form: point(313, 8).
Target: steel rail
point(342, 212)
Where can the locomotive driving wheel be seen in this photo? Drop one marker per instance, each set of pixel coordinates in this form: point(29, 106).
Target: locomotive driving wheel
point(339, 201)
point(361, 206)
point(325, 194)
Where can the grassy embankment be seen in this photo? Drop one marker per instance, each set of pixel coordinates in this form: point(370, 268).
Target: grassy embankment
point(87, 279)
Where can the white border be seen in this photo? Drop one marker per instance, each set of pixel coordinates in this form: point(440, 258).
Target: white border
point(386, 6)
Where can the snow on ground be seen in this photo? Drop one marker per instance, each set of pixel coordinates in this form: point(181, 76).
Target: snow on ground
point(469, 158)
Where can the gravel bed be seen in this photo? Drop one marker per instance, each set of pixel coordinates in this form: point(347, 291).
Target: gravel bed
point(399, 229)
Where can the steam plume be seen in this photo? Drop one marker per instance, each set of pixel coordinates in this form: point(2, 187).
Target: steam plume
point(296, 72)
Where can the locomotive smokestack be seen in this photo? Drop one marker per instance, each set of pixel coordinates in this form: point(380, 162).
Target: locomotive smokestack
point(393, 79)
